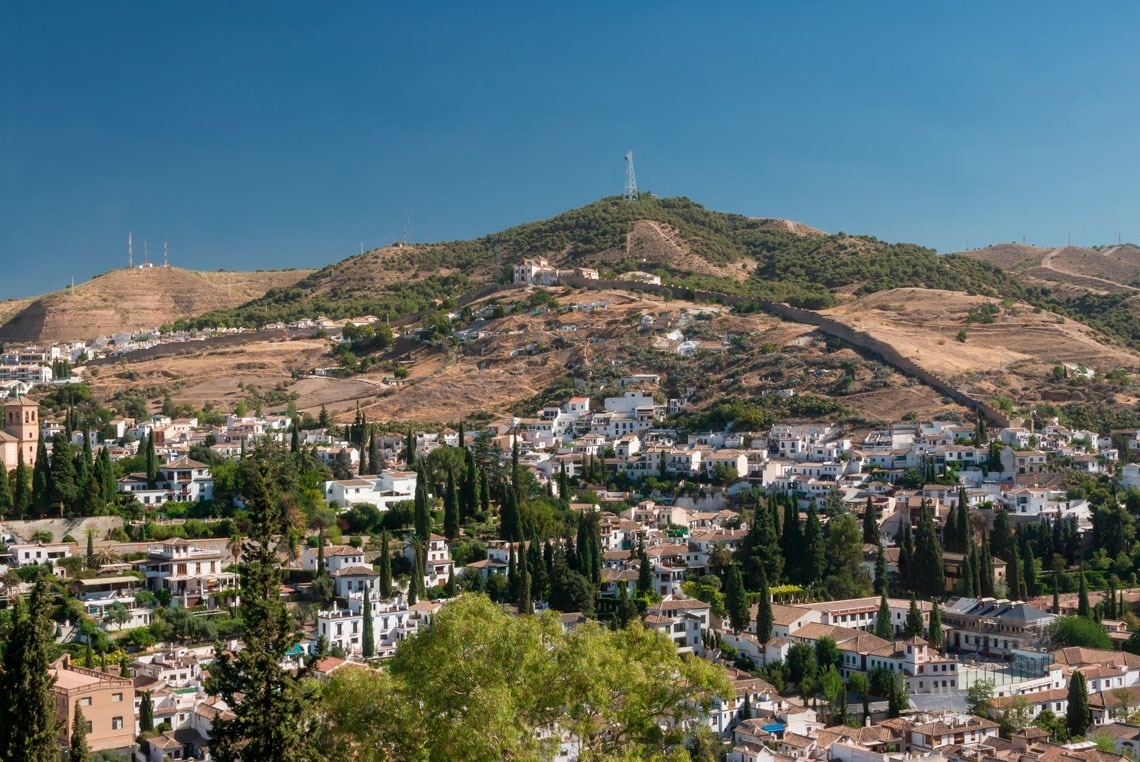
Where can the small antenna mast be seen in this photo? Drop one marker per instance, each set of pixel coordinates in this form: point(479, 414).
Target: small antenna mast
point(146, 252)
point(165, 260)
point(130, 254)
point(631, 193)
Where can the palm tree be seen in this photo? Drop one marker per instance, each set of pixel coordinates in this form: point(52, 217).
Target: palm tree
point(104, 557)
point(233, 545)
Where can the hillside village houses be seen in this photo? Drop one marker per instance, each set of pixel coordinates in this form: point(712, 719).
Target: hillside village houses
point(626, 433)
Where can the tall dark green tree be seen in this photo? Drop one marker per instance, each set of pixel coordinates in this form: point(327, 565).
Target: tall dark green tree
point(880, 571)
point(63, 483)
point(1056, 591)
point(883, 626)
point(468, 489)
point(870, 523)
point(510, 521)
point(644, 571)
point(6, 501)
point(385, 560)
point(146, 713)
point(151, 462)
point(77, 750)
point(791, 537)
point(29, 729)
point(368, 638)
point(1083, 608)
point(21, 491)
point(295, 436)
point(913, 624)
point(764, 618)
point(536, 566)
point(410, 449)
point(927, 565)
point(934, 633)
point(275, 710)
point(525, 597)
point(950, 532)
point(986, 568)
point(41, 482)
point(735, 600)
point(422, 511)
point(975, 572)
point(1078, 717)
point(1001, 539)
point(967, 580)
point(905, 542)
point(1013, 571)
point(964, 529)
point(1029, 574)
point(451, 507)
point(814, 560)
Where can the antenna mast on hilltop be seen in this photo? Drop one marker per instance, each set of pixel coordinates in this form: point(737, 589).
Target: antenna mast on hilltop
point(630, 179)
point(165, 261)
point(130, 254)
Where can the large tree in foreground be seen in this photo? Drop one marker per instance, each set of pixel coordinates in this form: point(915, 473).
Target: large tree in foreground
point(274, 707)
point(29, 727)
point(477, 683)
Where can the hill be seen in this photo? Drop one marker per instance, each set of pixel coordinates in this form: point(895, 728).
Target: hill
point(675, 238)
point(130, 300)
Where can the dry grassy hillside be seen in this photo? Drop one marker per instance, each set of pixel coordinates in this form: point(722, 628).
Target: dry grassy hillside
point(1104, 268)
point(1022, 343)
point(130, 300)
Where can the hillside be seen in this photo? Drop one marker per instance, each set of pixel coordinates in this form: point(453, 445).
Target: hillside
point(675, 238)
point(130, 300)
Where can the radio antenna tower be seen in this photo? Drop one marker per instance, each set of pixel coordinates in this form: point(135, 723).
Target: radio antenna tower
point(165, 261)
point(630, 179)
point(130, 254)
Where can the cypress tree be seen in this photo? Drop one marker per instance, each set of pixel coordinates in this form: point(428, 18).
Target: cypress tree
point(295, 436)
point(1083, 595)
point(986, 567)
point(28, 729)
point(949, 532)
point(1078, 717)
point(760, 550)
point(813, 560)
point(63, 486)
point(146, 713)
point(484, 492)
point(870, 524)
point(880, 571)
point(964, 532)
point(644, 571)
point(410, 449)
point(78, 748)
point(5, 493)
point(276, 714)
point(385, 567)
point(512, 573)
point(151, 462)
point(416, 579)
point(422, 512)
point(976, 572)
point(536, 568)
point(935, 633)
point(968, 575)
point(41, 482)
point(1001, 541)
point(913, 625)
point(525, 598)
point(927, 564)
point(1013, 574)
point(1056, 591)
point(792, 537)
point(1029, 575)
point(368, 639)
point(764, 618)
point(906, 554)
point(883, 627)
point(468, 489)
point(735, 601)
point(21, 496)
point(509, 526)
point(451, 508)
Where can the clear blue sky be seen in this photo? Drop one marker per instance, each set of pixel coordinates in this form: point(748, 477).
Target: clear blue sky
point(279, 134)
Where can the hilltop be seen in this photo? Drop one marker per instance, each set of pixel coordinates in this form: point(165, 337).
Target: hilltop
point(130, 300)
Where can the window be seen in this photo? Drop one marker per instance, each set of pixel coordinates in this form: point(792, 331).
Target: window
point(116, 698)
point(85, 701)
point(116, 723)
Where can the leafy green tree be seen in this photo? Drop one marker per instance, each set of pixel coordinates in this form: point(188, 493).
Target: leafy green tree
point(898, 700)
point(846, 575)
point(801, 662)
point(275, 709)
point(883, 627)
point(1078, 717)
point(826, 654)
point(1078, 631)
point(980, 698)
point(735, 600)
point(1001, 541)
point(78, 751)
point(28, 721)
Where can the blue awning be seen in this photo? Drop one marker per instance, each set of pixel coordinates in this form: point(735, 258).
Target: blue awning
point(775, 727)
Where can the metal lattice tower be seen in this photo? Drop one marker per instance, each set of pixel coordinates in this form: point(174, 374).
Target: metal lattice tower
point(130, 254)
point(630, 179)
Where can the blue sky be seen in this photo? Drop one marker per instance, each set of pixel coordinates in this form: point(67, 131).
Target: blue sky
point(278, 134)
